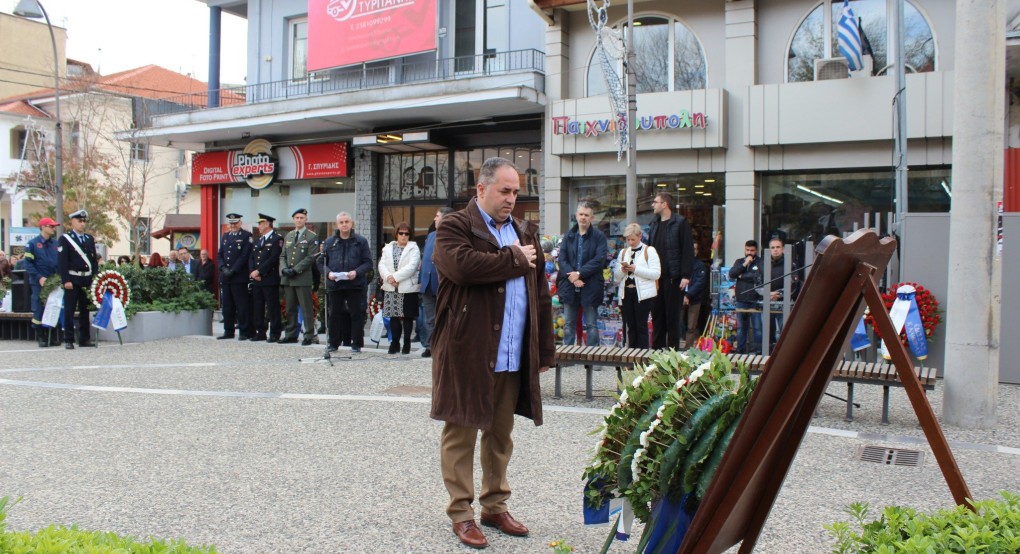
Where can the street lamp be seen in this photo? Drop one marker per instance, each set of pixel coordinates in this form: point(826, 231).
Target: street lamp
point(33, 9)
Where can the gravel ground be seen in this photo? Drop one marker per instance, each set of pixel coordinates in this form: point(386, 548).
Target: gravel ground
point(244, 446)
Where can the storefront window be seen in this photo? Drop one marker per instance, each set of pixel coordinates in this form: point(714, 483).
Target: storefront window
point(668, 57)
point(810, 206)
point(467, 164)
point(417, 176)
point(811, 42)
point(699, 198)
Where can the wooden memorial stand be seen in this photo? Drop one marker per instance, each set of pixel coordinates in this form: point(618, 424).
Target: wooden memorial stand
point(832, 301)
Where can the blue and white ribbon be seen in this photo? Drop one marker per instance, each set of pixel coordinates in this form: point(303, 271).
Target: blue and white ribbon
point(906, 316)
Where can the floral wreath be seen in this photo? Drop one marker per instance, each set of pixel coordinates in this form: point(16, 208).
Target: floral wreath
point(927, 306)
point(112, 281)
point(374, 307)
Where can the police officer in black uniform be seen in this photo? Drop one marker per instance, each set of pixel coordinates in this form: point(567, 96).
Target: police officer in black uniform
point(78, 265)
point(265, 275)
point(235, 251)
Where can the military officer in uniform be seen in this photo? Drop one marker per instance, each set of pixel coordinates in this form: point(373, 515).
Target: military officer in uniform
point(265, 276)
point(235, 251)
point(299, 252)
point(76, 260)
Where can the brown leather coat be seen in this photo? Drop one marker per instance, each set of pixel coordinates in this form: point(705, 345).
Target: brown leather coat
point(473, 271)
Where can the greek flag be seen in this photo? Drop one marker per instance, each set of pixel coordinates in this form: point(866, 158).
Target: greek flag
point(850, 38)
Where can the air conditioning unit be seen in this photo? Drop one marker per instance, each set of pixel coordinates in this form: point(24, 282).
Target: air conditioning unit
point(831, 68)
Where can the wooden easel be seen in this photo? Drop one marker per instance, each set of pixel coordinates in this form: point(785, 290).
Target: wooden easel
point(758, 459)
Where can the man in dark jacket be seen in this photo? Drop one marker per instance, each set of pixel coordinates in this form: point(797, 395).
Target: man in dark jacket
point(41, 263)
point(493, 338)
point(778, 284)
point(345, 262)
point(696, 296)
point(746, 272)
point(207, 271)
point(265, 276)
point(428, 277)
point(581, 282)
point(78, 265)
point(671, 236)
point(235, 251)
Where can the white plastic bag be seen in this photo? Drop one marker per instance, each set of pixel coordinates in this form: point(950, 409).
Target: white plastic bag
point(375, 333)
point(54, 306)
point(5, 305)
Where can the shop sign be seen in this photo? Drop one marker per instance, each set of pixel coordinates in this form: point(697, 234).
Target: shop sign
point(255, 164)
point(259, 163)
point(592, 128)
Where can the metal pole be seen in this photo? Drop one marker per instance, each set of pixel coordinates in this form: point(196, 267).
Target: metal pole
point(631, 120)
point(58, 140)
point(901, 123)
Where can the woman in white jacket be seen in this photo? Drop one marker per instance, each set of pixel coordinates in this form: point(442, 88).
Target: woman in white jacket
point(398, 269)
point(637, 271)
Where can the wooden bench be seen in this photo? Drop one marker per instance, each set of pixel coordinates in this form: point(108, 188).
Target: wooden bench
point(16, 326)
point(849, 372)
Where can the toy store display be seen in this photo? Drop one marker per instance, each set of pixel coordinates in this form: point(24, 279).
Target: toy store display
point(610, 323)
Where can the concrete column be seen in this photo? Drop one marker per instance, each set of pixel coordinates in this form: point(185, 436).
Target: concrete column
point(972, 308)
point(215, 17)
point(554, 194)
point(366, 194)
point(742, 193)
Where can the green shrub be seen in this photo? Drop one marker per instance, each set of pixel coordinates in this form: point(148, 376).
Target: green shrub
point(994, 527)
point(71, 540)
point(162, 290)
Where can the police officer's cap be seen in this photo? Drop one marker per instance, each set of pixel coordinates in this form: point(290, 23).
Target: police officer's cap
point(301, 211)
point(269, 218)
point(80, 214)
point(233, 218)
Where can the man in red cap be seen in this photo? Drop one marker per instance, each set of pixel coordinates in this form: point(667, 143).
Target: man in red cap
point(41, 262)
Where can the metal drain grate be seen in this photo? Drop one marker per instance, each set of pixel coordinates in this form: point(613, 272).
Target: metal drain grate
point(890, 456)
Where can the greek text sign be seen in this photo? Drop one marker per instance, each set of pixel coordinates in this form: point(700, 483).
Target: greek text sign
point(592, 128)
point(347, 32)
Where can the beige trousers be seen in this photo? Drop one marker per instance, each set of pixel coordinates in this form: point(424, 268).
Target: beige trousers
point(457, 455)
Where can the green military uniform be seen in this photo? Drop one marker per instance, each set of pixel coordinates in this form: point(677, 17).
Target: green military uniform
point(300, 249)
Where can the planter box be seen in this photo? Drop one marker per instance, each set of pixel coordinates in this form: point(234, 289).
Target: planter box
point(150, 326)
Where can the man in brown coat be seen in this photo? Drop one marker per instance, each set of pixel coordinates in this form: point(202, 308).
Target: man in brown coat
point(493, 337)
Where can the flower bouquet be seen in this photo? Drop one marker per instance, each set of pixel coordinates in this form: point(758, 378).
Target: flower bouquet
point(110, 280)
point(660, 444)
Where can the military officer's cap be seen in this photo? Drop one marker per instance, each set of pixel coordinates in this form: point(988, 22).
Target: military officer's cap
point(80, 214)
point(264, 217)
point(301, 211)
point(233, 218)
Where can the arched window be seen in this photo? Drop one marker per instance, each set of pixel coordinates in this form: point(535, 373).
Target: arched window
point(815, 40)
point(668, 57)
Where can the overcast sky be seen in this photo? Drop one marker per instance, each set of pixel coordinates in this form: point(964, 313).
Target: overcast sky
point(115, 35)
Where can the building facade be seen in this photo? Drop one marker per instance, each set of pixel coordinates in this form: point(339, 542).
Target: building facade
point(748, 115)
point(387, 140)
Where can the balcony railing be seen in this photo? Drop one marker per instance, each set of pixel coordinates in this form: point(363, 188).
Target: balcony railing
point(366, 76)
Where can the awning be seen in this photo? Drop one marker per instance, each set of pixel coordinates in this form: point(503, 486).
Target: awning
point(178, 223)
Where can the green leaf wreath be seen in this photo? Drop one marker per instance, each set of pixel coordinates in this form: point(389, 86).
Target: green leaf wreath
point(669, 430)
point(52, 283)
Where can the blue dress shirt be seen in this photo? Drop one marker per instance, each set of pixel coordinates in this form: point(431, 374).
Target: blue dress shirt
point(515, 310)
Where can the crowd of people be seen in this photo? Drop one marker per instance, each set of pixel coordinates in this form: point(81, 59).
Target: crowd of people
point(480, 282)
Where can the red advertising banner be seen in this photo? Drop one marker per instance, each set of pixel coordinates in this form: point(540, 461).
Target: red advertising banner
point(209, 168)
point(307, 161)
point(347, 32)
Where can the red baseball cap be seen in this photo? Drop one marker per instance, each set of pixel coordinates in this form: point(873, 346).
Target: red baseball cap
point(47, 222)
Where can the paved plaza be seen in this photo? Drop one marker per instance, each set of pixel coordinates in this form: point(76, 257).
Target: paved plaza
point(244, 446)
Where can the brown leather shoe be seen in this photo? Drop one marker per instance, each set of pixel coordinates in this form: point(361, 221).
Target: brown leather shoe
point(505, 523)
point(469, 534)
